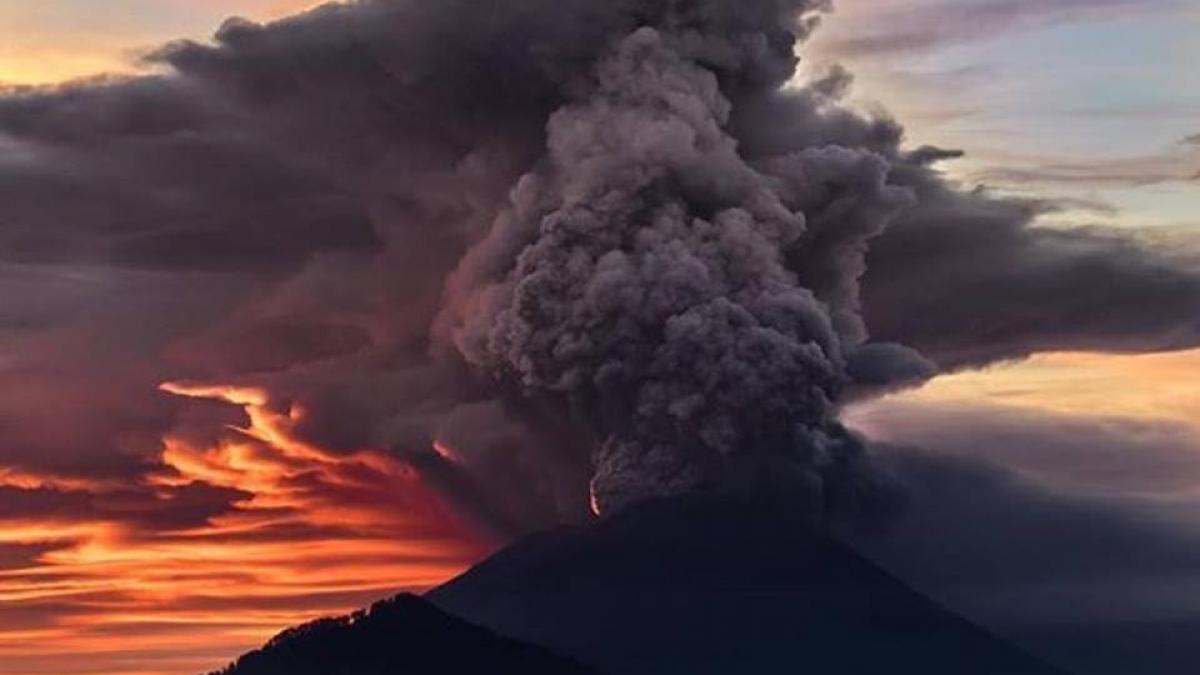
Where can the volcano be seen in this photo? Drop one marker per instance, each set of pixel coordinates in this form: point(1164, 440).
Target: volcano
point(694, 586)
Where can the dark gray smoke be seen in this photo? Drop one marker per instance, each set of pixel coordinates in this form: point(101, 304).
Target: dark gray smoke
point(643, 279)
point(545, 232)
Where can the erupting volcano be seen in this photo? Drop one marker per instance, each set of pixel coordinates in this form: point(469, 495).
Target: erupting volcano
point(361, 296)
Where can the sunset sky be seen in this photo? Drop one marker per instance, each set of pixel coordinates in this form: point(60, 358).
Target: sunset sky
point(163, 531)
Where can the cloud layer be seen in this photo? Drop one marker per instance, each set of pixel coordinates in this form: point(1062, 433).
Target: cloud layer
point(292, 199)
point(921, 26)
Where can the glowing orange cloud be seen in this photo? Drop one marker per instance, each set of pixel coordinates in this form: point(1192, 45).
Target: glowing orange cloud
point(312, 533)
point(25, 480)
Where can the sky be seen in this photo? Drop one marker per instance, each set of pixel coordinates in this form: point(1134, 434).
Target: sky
point(160, 515)
point(1092, 101)
point(162, 582)
point(54, 41)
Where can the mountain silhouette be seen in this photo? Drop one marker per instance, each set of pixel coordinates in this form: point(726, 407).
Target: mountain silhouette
point(402, 636)
point(699, 586)
point(687, 586)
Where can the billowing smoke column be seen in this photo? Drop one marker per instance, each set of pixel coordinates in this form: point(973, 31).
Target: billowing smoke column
point(528, 246)
point(643, 280)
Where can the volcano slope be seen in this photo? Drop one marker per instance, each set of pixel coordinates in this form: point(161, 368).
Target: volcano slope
point(689, 585)
point(702, 586)
point(405, 635)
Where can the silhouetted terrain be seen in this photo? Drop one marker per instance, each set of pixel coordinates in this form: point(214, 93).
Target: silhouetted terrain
point(402, 636)
point(693, 586)
point(703, 587)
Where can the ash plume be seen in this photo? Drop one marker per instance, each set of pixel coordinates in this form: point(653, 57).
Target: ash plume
point(586, 246)
point(650, 291)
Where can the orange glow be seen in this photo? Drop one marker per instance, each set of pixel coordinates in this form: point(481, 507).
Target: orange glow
point(594, 503)
point(1163, 387)
point(445, 451)
point(303, 533)
point(15, 478)
point(1139, 393)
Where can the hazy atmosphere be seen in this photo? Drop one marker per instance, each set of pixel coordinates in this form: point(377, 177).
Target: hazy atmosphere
point(314, 305)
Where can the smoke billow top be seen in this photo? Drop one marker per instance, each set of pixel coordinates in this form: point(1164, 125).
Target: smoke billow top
point(587, 248)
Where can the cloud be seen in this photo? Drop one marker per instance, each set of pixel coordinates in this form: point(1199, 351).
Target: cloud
point(1096, 584)
point(928, 26)
point(1073, 533)
point(169, 509)
point(1108, 455)
point(199, 557)
point(283, 208)
point(1174, 165)
point(969, 279)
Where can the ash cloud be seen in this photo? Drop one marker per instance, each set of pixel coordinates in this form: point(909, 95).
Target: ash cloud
point(583, 241)
point(650, 290)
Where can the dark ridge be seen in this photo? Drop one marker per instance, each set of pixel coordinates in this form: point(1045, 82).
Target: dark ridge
point(697, 586)
point(711, 587)
point(405, 635)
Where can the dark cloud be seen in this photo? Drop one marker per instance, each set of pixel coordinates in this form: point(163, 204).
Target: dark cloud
point(968, 279)
point(1103, 455)
point(79, 375)
point(928, 155)
point(1098, 584)
point(253, 231)
point(660, 252)
point(1170, 166)
point(167, 509)
point(1074, 534)
point(650, 291)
